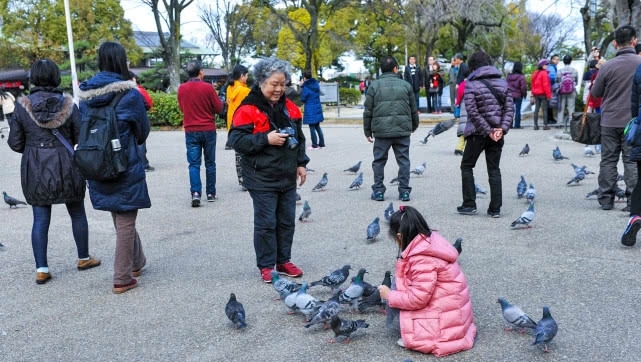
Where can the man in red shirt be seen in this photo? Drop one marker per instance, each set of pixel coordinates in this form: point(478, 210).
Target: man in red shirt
point(142, 149)
point(199, 103)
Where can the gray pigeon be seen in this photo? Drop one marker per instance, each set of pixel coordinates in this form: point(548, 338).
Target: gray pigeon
point(283, 286)
point(334, 279)
point(354, 290)
point(373, 229)
point(525, 151)
point(235, 312)
point(479, 190)
point(594, 192)
point(394, 181)
point(321, 184)
point(419, 169)
point(374, 298)
point(389, 212)
point(358, 181)
point(458, 245)
point(530, 194)
point(521, 187)
point(515, 316)
point(306, 213)
point(587, 151)
point(619, 193)
point(326, 311)
point(345, 328)
point(546, 329)
point(579, 175)
point(355, 168)
point(290, 302)
point(526, 217)
point(11, 201)
point(1, 246)
point(306, 303)
point(556, 154)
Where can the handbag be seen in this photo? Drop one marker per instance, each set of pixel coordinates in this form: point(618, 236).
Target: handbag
point(630, 133)
point(585, 127)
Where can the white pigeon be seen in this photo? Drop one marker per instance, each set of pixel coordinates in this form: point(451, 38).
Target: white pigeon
point(526, 217)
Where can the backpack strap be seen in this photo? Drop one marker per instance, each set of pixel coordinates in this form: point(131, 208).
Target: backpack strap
point(63, 140)
point(114, 102)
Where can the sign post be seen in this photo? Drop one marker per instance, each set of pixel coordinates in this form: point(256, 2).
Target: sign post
point(329, 94)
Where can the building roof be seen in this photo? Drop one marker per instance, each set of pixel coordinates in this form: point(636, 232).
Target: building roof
point(149, 42)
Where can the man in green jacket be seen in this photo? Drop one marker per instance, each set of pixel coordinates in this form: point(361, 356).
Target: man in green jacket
point(389, 118)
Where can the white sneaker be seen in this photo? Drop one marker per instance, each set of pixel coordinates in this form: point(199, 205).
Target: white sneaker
point(400, 342)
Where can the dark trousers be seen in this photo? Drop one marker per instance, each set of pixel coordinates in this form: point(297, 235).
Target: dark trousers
point(474, 145)
point(612, 145)
point(129, 253)
point(541, 102)
point(274, 224)
point(635, 199)
point(40, 231)
point(417, 96)
point(317, 140)
point(430, 105)
point(436, 101)
point(199, 144)
point(517, 112)
point(401, 147)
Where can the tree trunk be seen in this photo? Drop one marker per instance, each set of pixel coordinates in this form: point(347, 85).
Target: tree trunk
point(587, 20)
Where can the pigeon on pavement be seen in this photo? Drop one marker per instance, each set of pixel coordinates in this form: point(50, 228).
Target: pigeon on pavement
point(11, 201)
point(530, 194)
point(525, 151)
point(235, 312)
point(526, 217)
point(306, 303)
point(1, 247)
point(389, 211)
point(334, 279)
point(321, 184)
point(419, 169)
point(587, 151)
point(458, 245)
point(283, 286)
point(546, 329)
point(345, 328)
point(358, 181)
point(355, 168)
point(354, 290)
point(326, 311)
point(515, 316)
point(556, 153)
point(394, 181)
point(479, 190)
point(373, 229)
point(594, 192)
point(619, 193)
point(374, 298)
point(306, 213)
point(579, 175)
point(521, 187)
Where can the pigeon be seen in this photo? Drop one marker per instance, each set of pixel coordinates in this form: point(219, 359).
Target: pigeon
point(373, 229)
point(11, 201)
point(321, 184)
point(327, 311)
point(587, 151)
point(355, 168)
point(290, 302)
point(389, 212)
point(1, 246)
point(358, 181)
point(309, 170)
point(394, 181)
point(530, 194)
point(306, 303)
point(619, 193)
point(306, 213)
point(424, 140)
point(521, 188)
point(525, 151)
point(526, 217)
point(373, 299)
point(583, 168)
point(345, 328)
point(354, 290)
point(594, 192)
point(556, 153)
point(620, 177)
point(334, 279)
point(578, 176)
point(419, 169)
point(235, 312)
point(515, 316)
point(546, 329)
point(458, 245)
point(283, 286)
point(479, 190)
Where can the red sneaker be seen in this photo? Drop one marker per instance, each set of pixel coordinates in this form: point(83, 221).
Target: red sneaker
point(289, 269)
point(265, 273)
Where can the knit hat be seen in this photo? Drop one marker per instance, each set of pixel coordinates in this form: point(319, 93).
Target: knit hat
point(543, 62)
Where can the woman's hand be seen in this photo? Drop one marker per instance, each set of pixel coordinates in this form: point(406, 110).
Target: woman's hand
point(496, 134)
point(276, 138)
point(301, 173)
point(383, 290)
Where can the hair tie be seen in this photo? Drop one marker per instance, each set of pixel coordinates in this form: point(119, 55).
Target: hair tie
point(401, 208)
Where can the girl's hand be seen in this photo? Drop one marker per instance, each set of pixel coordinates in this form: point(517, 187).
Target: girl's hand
point(383, 290)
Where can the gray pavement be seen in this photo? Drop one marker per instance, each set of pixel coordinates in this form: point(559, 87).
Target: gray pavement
point(571, 260)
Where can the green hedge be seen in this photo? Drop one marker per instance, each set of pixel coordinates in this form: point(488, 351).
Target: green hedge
point(349, 96)
point(166, 113)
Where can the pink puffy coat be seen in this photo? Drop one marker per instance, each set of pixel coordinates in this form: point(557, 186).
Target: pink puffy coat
point(431, 292)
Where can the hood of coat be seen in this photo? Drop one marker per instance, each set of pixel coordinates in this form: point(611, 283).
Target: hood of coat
point(102, 88)
point(487, 71)
point(48, 109)
point(435, 246)
point(312, 84)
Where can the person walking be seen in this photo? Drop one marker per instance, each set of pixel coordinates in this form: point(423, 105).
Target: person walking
point(451, 80)
point(127, 194)
point(542, 92)
point(567, 78)
point(389, 118)
point(236, 92)
point(518, 90)
point(629, 237)
point(414, 76)
point(200, 104)
point(267, 130)
point(614, 84)
point(489, 115)
point(313, 114)
point(48, 173)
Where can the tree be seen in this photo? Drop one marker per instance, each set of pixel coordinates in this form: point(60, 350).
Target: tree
point(169, 16)
point(229, 27)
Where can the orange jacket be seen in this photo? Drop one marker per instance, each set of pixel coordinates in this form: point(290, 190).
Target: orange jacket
point(432, 294)
point(235, 94)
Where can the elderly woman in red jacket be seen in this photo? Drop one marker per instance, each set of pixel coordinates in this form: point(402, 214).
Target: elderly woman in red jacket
point(431, 290)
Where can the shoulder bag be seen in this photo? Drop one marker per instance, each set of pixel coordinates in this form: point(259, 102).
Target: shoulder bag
point(585, 127)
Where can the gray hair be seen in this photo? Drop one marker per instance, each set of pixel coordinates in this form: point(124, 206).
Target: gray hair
point(268, 66)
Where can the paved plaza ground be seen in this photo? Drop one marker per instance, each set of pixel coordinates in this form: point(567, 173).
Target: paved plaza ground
point(571, 260)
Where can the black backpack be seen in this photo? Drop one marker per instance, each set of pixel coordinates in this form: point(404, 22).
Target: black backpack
point(99, 154)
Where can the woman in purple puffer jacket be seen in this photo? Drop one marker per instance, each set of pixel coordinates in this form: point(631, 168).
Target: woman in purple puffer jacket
point(518, 91)
point(490, 109)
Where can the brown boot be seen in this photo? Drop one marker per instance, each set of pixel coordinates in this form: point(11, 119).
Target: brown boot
point(121, 288)
point(42, 278)
point(88, 264)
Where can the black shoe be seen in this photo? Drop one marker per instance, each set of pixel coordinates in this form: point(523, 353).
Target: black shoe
point(536, 128)
point(150, 169)
point(458, 152)
point(211, 197)
point(195, 199)
point(404, 196)
point(552, 121)
point(607, 206)
point(494, 213)
point(465, 210)
point(629, 237)
point(378, 196)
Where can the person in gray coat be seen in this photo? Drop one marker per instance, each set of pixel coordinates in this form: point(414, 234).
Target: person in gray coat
point(389, 118)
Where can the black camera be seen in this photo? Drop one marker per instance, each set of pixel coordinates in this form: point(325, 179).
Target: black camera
point(292, 142)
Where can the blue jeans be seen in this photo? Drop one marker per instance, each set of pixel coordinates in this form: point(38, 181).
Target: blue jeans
point(199, 144)
point(40, 231)
point(517, 112)
point(317, 141)
point(436, 101)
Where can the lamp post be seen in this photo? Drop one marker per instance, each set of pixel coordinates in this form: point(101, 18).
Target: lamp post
point(72, 55)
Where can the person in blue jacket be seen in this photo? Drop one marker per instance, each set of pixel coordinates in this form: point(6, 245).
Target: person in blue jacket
point(313, 114)
point(124, 196)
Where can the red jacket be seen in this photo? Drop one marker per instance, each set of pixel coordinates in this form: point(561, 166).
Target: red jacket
point(149, 103)
point(431, 292)
point(199, 103)
point(541, 84)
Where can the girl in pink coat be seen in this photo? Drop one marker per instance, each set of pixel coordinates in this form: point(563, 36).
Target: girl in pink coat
point(431, 290)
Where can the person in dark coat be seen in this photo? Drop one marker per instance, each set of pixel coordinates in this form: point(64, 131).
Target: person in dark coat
point(313, 114)
point(124, 196)
point(518, 91)
point(489, 115)
point(48, 173)
point(413, 74)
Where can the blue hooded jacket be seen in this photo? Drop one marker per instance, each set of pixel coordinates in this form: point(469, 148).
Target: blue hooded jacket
point(311, 97)
point(129, 191)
